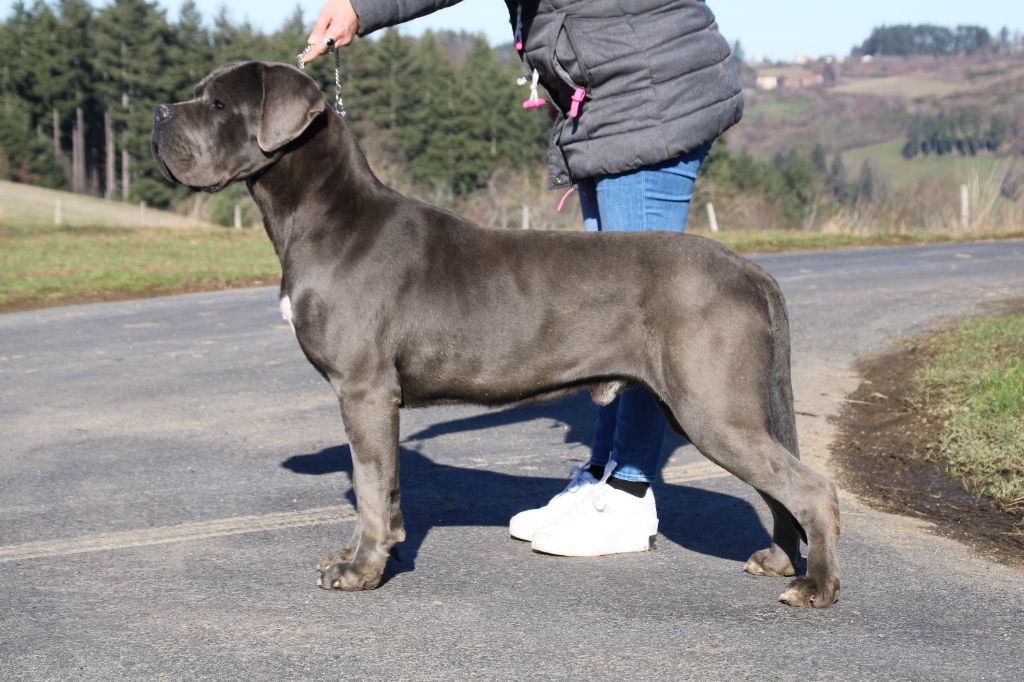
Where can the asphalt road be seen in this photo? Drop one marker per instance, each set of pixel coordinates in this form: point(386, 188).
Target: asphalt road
point(171, 470)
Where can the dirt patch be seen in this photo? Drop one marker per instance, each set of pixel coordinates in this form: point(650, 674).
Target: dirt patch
point(885, 451)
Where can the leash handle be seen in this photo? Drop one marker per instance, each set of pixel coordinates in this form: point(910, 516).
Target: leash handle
point(300, 59)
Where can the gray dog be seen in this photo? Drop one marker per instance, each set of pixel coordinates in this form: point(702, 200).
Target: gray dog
point(401, 304)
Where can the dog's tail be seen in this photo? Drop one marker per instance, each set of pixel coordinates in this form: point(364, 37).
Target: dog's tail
point(780, 384)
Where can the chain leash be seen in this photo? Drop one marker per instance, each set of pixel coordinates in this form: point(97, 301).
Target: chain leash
point(339, 106)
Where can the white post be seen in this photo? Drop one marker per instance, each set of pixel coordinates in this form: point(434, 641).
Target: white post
point(526, 217)
point(238, 215)
point(58, 219)
point(712, 220)
point(965, 208)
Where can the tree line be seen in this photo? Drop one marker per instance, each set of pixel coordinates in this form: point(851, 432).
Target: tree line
point(928, 40)
point(964, 132)
point(802, 185)
point(78, 86)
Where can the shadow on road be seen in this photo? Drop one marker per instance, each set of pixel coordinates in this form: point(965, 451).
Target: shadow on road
point(576, 412)
point(436, 494)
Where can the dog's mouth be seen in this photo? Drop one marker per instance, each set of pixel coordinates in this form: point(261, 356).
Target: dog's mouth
point(167, 173)
point(161, 164)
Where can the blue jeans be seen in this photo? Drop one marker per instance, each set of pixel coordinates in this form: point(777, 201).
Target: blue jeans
point(631, 429)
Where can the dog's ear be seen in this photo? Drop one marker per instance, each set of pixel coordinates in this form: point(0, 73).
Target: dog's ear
point(291, 101)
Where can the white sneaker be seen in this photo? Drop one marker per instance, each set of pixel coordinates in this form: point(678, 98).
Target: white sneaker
point(607, 521)
point(524, 524)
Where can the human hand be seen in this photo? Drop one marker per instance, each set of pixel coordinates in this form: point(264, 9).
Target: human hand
point(337, 20)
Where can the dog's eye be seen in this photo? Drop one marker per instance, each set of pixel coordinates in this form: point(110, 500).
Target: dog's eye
point(217, 104)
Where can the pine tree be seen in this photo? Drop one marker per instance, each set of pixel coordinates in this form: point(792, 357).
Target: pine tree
point(836, 179)
point(189, 52)
point(433, 136)
point(819, 157)
point(398, 79)
point(28, 57)
point(29, 158)
point(289, 40)
point(867, 185)
point(232, 42)
point(131, 40)
point(482, 115)
point(73, 90)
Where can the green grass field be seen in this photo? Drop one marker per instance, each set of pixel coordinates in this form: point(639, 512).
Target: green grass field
point(897, 170)
point(47, 265)
point(108, 249)
point(975, 378)
point(910, 86)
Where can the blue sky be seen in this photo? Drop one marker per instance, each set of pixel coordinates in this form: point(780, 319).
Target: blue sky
point(778, 30)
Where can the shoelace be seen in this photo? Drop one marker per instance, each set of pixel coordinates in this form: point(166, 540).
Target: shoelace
point(575, 479)
point(600, 498)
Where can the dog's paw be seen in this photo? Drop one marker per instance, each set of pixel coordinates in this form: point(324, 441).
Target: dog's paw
point(348, 576)
point(805, 592)
point(341, 556)
point(771, 562)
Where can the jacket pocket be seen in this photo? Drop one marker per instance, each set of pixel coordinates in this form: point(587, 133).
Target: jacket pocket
point(606, 58)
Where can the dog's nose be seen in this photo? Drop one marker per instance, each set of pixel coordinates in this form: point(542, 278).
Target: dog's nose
point(163, 113)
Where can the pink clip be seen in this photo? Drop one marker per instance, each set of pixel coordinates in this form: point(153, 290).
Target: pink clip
point(564, 197)
point(519, 46)
point(534, 103)
point(577, 99)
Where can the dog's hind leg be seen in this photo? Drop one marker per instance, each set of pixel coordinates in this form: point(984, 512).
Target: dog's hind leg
point(726, 405)
point(782, 557)
point(371, 421)
point(796, 494)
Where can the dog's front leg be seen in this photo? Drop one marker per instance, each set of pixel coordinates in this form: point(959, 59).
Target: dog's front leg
point(371, 421)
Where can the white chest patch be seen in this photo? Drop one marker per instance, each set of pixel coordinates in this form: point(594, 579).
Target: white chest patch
point(286, 311)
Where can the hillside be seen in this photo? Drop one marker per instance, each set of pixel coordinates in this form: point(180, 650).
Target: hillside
point(30, 206)
point(849, 105)
point(899, 171)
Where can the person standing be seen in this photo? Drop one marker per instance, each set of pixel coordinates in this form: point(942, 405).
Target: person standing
point(641, 89)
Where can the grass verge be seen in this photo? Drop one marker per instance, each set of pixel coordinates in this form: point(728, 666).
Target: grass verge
point(974, 378)
point(42, 266)
point(768, 241)
point(935, 431)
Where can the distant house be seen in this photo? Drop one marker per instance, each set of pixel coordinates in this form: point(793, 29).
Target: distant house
point(812, 80)
point(788, 78)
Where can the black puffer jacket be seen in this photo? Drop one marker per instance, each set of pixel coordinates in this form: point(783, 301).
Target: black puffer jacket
point(655, 76)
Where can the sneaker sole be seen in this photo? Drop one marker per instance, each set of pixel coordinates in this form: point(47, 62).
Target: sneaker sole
point(545, 546)
point(520, 536)
point(519, 533)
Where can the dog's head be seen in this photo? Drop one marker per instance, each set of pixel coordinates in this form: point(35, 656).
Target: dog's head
point(240, 120)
